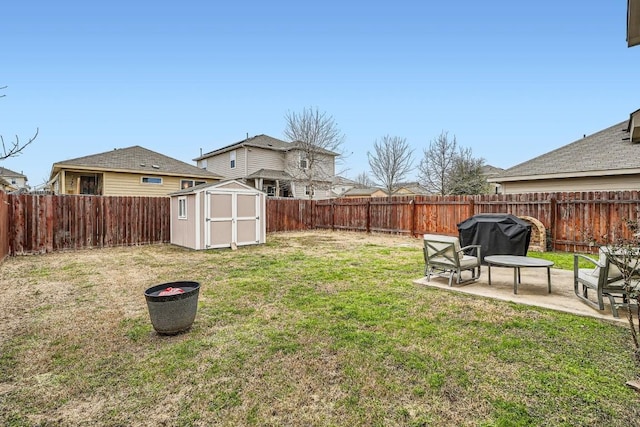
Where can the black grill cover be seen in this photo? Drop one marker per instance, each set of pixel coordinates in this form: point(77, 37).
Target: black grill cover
point(497, 234)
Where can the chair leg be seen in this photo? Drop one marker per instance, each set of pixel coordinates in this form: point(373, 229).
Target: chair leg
point(583, 294)
point(614, 306)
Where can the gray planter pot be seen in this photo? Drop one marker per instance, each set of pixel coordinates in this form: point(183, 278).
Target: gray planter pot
point(172, 314)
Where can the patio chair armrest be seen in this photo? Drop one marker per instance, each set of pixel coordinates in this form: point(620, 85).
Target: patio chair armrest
point(576, 263)
point(595, 262)
point(478, 247)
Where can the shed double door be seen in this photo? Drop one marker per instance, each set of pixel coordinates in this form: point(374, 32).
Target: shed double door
point(231, 218)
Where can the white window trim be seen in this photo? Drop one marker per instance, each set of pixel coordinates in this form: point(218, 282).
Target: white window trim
point(232, 159)
point(182, 207)
point(142, 180)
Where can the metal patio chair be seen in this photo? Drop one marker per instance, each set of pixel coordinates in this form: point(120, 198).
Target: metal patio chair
point(444, 257)
point(604, 279)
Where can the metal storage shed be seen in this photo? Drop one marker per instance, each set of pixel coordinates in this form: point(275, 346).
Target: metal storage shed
point(220, 215)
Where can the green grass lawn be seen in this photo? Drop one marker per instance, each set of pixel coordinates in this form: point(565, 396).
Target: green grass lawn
point(563, 260)
point(311, 329)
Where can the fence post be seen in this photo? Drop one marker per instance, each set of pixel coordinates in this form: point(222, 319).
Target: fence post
point(552, 221)
point(333, 216)
point(313, 219)
point(368, 226)
point(413, 216)
point(472, 206)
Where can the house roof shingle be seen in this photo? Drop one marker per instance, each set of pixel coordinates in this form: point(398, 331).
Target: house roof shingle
point(134, 159)
point(258, 141)
point(270, 174)
point(9, 172)
point(607, 152)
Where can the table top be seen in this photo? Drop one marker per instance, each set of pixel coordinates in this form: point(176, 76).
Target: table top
point(517, 261)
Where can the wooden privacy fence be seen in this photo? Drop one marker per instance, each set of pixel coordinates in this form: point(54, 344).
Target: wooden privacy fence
point(574, 222)
point(4, 225)
point(38, 224)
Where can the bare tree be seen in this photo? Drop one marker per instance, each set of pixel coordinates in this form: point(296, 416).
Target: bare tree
point(317, 143)
point(391, 161)
point(13, 148)
point(434, 167)
point(466, 175)
point(363, 179)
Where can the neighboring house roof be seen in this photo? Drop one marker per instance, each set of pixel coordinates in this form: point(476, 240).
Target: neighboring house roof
point(259, 141)
point(489, 170)
point(270, 174)
point(634, 126)
point(364, 192)
point(412, 190)
point(10, 173)
point(607, 152)
point(134, 159)
point(341, 180)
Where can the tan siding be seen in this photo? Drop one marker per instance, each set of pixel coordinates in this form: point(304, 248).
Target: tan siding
point(231, 186)
point(259, 158)
point(248, 161)
point(126, 184)
point(320, 193)
point(323, 167)
point(221, 164)
point(609, 183)
point(182, 230)
point(201, 224)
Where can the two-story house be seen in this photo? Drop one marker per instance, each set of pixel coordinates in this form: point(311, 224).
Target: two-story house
point(279, 168)
point(12, 181)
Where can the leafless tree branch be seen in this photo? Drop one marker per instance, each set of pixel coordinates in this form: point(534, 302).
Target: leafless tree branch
point(14, 148)
point(390, 161)
point(318, 141)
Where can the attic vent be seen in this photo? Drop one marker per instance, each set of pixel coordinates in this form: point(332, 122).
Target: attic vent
point(155, 166)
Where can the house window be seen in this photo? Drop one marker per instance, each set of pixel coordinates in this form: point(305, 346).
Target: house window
point(303, 161)
point(271, 190)
point(182, 208)
point(187, 183)
point(88, 185)
point(151, 180)
point(232, 159)
point(309, 191)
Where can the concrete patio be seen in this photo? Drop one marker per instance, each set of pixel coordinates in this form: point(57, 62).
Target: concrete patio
point(531, 291)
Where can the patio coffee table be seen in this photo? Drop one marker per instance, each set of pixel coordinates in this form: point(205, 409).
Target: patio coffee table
point(517, 262)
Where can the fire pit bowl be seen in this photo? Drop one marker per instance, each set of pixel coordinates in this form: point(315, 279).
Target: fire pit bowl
point(172, 306)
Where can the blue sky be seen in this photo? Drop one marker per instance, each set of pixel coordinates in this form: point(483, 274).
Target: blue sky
point(511, 80)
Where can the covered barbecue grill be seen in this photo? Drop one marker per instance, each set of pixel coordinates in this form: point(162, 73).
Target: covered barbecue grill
point(497, 234)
